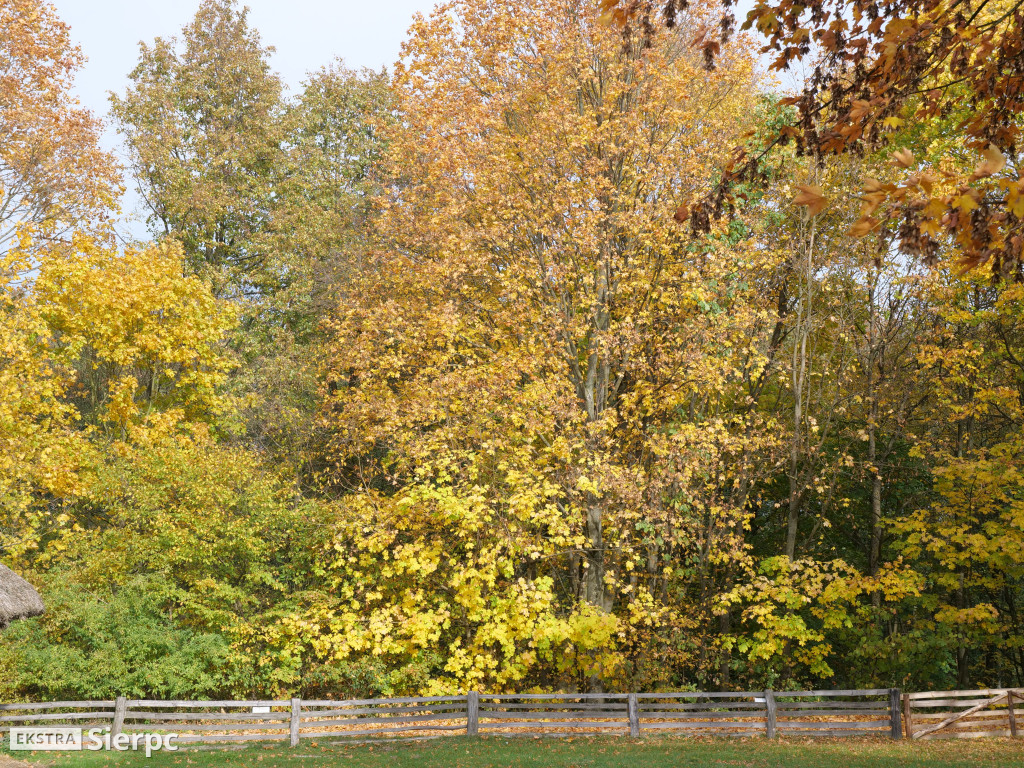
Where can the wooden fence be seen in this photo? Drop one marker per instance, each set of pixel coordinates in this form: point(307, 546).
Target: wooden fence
point(758, 713)
point(964, 714)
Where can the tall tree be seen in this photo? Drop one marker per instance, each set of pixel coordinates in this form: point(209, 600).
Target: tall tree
point(320, 231)
point(202, 120)
point(537, 357)
point(53, 174)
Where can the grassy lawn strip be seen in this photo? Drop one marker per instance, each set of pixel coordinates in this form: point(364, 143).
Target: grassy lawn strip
point(585, 752)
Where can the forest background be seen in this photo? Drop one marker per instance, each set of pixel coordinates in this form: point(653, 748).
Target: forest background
point(452, 378)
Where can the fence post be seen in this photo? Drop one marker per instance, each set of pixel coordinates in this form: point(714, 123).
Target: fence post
point(294, 721)
point(896, 727)
point(1011, 714)
point(908, 723)
point(472, 713)
point(770, 714)
point(633, 710)
point(120, 708)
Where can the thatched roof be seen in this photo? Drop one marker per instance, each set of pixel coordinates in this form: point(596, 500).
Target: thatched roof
point(18, 600)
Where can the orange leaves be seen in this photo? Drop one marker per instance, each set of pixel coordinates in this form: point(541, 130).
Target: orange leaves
point(616, 12)
point(811, 197)
point(903, 158)
point(55, 175)
point(860, 109)
point(992, 162)
point(967, 202)
point(863, 226)
point(1015, 198)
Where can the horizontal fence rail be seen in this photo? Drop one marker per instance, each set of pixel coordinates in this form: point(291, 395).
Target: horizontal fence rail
point(989, 712)
point(880, 712)
point(556, 713)
point(720, 714)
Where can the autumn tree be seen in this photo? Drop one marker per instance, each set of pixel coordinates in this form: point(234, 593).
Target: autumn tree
point(202, 121)
point(41, 451)
point(53, 174)
point(876, 68)
point(321, 227)
point(147, 343)
point(101, 348)
point(538, 357)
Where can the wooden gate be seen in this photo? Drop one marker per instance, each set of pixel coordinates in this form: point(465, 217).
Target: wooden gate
point(963, 714)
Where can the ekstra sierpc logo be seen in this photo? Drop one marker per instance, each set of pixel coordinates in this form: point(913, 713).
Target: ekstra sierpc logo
point(73, 739)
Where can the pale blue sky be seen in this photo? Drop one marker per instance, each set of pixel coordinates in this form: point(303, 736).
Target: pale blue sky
point(306, 33)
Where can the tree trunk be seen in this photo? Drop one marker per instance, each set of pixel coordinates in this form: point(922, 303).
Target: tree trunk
point(875, 543)
point(799, 381)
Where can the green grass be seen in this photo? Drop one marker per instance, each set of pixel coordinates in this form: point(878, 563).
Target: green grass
point(594, 752)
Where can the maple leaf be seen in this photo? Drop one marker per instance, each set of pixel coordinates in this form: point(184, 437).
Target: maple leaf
point(903, 158)
point(812, 197)
point(992, 162)
point(863, 226)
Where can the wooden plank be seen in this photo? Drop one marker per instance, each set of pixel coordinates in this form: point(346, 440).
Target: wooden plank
point(757, 725)
point(205, 727)
point(739, 716)
point(974, 725)
point(380, 731)
point(58, 705)
point(294, 721)
point(791, 714)
point(179, 704)
point(959, 716)
point(376, 720)
point(634, 716)
point(541, 724)
point(754, 728)
point(553, 696)
point(858, 725)
point(582, 706)
point(701, 695)
point(827, 733)
point(753, 706)
point(120, 707)
point(980, 715)
point(980, 693)
point(936, 703)
point(828, 693)
point(908, 723)
point(838, 705)
point(472, 713)
point(131, 714)
point(363, 702)
point(559, 715)
point(388, 740)
point(1011, 715)
point(771, 714)
point(894, 713)
point(57, 716)
point(379, 711)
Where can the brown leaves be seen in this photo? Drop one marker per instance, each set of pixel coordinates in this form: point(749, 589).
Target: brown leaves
point(992, 163)
point(903, 158)
point(811, 197)
point(887, 66)
point(863, 226)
